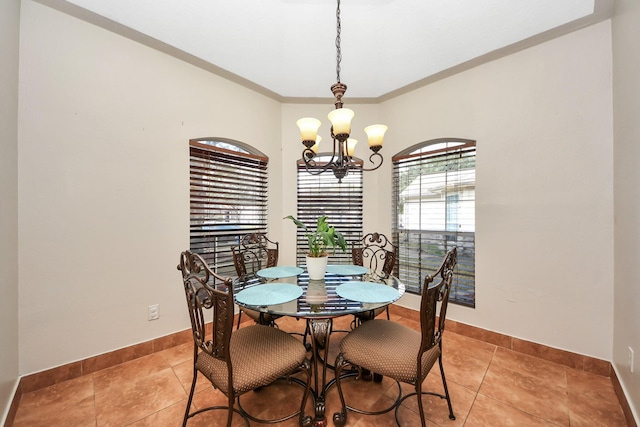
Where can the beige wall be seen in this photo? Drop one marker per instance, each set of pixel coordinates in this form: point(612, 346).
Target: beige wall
point(103, 183)
point(626, 108)
point(542, 120)
point(544, 216)
point(9, 31)
point(103, 166)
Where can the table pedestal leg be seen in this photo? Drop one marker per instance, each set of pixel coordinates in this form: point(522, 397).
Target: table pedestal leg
point(320, 330)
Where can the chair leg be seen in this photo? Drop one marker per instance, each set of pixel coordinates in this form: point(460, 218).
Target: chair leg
point(239, 317)
point(423, 422)
point(446, 389)
point(193, 387)
point(232, 399)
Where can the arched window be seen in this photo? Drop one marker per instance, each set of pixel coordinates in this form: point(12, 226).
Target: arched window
point(228, 197)
point(434, 186)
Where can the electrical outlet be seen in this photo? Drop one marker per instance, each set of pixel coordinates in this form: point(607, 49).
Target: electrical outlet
point(154, 312)
point(630, 360)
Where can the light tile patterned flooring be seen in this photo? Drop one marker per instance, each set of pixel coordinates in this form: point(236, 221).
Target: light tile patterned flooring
point(489, 386)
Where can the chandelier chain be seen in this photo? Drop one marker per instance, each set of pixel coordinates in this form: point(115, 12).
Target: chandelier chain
point(338, 49)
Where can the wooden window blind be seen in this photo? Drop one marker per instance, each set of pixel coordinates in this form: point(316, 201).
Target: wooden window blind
point(434, 210)
point(342, 202)
point(228, 199)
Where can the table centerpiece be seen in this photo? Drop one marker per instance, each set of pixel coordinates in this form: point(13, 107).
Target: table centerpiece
point(322, 238)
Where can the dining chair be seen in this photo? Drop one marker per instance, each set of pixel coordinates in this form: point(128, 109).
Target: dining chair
point(376, 252)
point(399, 352)
point(254, 252)
point(379, 255)
point(236, 361)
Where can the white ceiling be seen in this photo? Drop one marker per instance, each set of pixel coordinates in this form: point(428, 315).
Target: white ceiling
point(287, 47)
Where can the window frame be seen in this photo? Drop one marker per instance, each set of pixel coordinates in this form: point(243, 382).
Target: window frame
point(421, 249)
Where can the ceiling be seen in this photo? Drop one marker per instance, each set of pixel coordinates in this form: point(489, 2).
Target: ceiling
point(286, 48)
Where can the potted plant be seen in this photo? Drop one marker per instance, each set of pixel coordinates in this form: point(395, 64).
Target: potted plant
point(320, 239)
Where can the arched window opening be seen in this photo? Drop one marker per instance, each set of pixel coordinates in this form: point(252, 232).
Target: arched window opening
point(228, 197)
point(434, 186)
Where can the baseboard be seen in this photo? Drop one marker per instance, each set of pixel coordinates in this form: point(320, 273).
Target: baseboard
point(626, 408)
point(13, 408)
point(87, 366)
point(562, 357)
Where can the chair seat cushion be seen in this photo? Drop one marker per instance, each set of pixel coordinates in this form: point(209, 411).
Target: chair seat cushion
point(388, 348)
point(259, 355)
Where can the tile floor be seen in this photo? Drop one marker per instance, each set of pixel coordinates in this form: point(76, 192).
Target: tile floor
point(489, 386)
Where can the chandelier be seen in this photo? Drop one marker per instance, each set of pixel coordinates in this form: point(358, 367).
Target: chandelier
point(343, 147)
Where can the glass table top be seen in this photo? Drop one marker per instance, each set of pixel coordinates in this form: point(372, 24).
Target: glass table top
point(319, 298)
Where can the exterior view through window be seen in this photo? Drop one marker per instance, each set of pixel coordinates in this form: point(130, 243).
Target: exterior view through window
point(228, 198)
point(434, 210)
point(342, 202)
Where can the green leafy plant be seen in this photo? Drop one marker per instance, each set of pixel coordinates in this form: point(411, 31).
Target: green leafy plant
point(322, 238)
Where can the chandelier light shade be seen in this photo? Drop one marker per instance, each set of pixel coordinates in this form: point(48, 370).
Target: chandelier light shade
point(341, 122)
point(308, 130)
point(351, 146)
point(343, 146)
point(375, 134)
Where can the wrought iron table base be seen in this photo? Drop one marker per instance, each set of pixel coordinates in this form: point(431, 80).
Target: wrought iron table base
point(320, 331)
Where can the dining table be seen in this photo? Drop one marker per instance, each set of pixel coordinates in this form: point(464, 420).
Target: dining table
point(345, 290)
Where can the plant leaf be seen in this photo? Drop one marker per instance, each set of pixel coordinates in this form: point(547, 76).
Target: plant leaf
point(298, 223)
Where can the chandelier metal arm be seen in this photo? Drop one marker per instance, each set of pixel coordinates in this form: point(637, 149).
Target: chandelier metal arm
point(377, 155)
point(340, 161)
point(340, 166)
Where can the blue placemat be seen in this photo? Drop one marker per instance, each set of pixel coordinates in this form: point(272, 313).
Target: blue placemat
point(279, 272)
point(269, 294)
point(367, 292)
point(347, 270)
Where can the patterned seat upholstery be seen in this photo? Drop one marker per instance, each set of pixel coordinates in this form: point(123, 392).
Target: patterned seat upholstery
point(279, 354)
point(399, 352)
point(389, 349)
point(236, 362)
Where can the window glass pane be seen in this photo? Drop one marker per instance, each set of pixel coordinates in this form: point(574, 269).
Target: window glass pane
point(434, 210)
point(228, 198)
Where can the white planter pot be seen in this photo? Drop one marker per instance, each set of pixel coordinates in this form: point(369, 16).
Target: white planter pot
point(317, 267)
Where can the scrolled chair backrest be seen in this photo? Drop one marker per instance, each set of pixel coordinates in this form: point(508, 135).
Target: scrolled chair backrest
point(375, 252)
point(432, 294)
point(206, 290)
point(254, 252)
